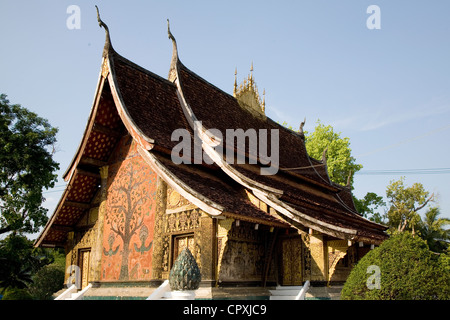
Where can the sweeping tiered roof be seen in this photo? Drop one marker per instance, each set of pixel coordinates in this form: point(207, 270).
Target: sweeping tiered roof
point(132, 100)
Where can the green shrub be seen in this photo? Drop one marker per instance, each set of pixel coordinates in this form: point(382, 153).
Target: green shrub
point(408, 271)
point(47, 281)
point(16, 294)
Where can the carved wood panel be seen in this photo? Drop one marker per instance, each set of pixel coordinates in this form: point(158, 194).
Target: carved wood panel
point(84, 257)
point(291, 249)
point(180, 243)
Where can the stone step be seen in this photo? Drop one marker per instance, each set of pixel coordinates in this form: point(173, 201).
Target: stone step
point(282, 297)
point(288, 288)
point(284, 292)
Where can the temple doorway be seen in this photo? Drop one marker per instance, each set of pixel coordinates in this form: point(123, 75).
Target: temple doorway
point(291, 261)
point(180, 242)
point(84, 260)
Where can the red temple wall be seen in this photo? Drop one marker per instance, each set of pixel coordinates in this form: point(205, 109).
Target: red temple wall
point(129, 218)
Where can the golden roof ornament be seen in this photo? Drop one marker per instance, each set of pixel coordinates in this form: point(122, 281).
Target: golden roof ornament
point(235, 83)
point(250, 78)
point(248, 96)
point(263, 105)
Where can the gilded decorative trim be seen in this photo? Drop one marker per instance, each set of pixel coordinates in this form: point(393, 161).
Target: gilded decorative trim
point(337, 249)
point(223, 227)
point(105, 68)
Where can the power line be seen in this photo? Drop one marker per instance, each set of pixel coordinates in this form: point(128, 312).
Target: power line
point(405, 171)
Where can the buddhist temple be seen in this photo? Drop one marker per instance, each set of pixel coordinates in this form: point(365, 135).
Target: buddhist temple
point(129, 207)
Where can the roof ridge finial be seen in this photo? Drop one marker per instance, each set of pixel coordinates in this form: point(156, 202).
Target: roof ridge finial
point(324, 155)
point(171, 37)
point(300, 130)
point(175, 58)
point(108, 44)
point(170, 33)
point(349, 179)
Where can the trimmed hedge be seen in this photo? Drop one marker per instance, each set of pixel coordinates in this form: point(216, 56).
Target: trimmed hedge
point(408, 271)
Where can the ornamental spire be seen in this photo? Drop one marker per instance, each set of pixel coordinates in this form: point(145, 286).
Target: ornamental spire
point(300, 130)
point(171, 37)
point(250, 78)
point(173, 63)
point(263, 105)
point(108, 45)
point(247, 94)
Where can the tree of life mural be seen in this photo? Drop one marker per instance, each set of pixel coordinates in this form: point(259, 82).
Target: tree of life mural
point(129, 215)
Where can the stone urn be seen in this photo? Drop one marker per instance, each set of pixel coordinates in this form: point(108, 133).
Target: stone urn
point(185, 276)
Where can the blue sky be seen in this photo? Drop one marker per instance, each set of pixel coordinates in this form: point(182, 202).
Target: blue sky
point(388, 90)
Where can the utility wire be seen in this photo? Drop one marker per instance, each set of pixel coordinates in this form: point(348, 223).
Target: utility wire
point(405, 171)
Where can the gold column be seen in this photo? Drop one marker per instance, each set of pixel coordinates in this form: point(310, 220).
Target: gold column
point(319, 255)
point(160, 211)
point(69, 254)
point(96, 264)
point(207, 247)
point(223, 227)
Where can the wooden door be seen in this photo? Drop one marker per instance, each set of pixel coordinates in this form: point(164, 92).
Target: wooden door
point(84, 260)
point(181, 242)
point(291, 250)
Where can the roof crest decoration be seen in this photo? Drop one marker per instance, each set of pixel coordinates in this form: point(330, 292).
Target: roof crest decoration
point(171, 37)
point(108, 44)
point(173, 64)
point(248, 96)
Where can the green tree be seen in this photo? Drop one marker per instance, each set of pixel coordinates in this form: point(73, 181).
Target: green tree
point(19, 261)
point(15, 269)
point(340, 162)
point(408, 270)
point(432, 230)
point(368, 205)
point(48, 280)
point(405, 203)
point(17, 294)
point(26, 167)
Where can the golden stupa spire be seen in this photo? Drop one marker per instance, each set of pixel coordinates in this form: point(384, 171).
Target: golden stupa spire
point(247, 94)
point(263, 105)
point(250, 78)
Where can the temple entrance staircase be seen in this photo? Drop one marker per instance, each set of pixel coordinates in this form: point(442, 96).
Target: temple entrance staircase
point(72, 293)
point(290, 292)
point(163, 292)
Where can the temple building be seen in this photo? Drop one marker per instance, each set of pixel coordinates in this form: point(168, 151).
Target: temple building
point(130, 206)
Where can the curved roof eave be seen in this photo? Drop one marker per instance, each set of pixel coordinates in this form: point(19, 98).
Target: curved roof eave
point(76, 158)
